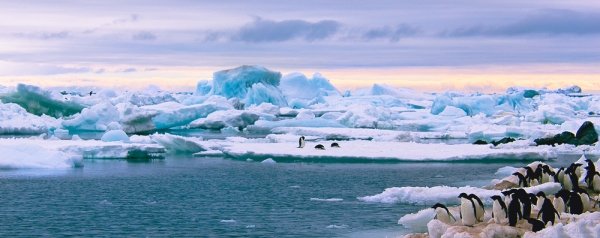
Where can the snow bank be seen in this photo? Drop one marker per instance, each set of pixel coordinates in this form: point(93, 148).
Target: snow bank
point(15, 120)
point(445, 194)
point(417, 222)
point(584, 225)
point(179, 144)
point(19, 155)
point(372, 150)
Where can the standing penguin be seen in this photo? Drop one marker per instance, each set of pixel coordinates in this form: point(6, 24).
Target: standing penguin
point(536, 225)
point(560, 199)
point(574, 205)
point(499, 210)
point(585, 199)
point(547, 212)
point(560, 175)
point(442, 214)
point(522, 179)
point(468, 210)
point(478, 206)
point(514, 210)
point(301, 142)
point(594, 181)
point(540, 198)
point(525, 203)
point(571, 181)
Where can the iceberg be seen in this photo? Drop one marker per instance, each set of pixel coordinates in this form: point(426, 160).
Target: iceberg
point(41, 102)
point(302, 92)
point(14, 120)
point(253, 84)
point(227, 118)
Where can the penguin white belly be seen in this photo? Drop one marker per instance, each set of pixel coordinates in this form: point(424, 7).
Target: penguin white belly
point(468, 212)
point(596, 183)
point(568, 185)
point(559, 204)
point(539, 203)
point(561, 177)
point(545, 178)
point(499, 214)
point(585, 200)
point(443, 216)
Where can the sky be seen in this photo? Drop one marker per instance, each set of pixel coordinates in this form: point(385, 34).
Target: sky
point(424, 45)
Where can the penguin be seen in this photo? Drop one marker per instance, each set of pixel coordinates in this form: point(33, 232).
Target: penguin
point(533, 199)
point(594, 181)
point(499, 210)
point(442, 214)
point(480, 210)
point(590, 165)
point(335, 145)
point(585, 199)
point(547, 212)
point(301, 142)
point(514, 210)
point(530, 175)
point(547, 174)
point(536, 224)
point(507, 195)
point(319, 147)
point(538, 175)
point(468, 210)
point(525, 203)
point(540, 198)
point(571, 182)
point(522, 179)
point(560, 175)
point(560, 199)
point(574, 204)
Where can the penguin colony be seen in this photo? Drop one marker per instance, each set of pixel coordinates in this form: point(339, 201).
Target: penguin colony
point(516, 207)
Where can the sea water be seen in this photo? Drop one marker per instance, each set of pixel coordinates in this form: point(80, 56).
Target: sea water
point(217, 197)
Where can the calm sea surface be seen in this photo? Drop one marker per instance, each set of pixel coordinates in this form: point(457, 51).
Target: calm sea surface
point(215, 197)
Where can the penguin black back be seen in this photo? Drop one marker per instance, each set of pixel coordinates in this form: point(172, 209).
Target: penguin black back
point(526, 203)
point(536, 224)
point(575, 205)
point(319, 147)
point(522, 179)
point(514, 210)
point(335, 145)
point(547, 212)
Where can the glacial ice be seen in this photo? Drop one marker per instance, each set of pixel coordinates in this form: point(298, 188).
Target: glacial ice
point(115, 135)
point(445, 194)
point(253, 84)
point(14, 120)
point(41, 102)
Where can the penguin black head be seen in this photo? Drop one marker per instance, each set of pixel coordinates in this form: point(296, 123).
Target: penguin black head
point(439, 205)
point(475, 198)
point(563, 193)
point(496, 198)
point(536, 224)
point(463, 195)
point(540, 194)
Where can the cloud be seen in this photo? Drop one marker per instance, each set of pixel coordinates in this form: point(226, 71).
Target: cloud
point(261, 30)
point(391, 33)
point(545, 22)
point(45, 35)
point(144, 36)
point(131, 18)
point(128, 70)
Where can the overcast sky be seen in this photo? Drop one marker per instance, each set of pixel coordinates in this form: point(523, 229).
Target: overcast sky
point(354, 43)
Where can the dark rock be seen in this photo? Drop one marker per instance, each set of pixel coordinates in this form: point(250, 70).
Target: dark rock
point(504, 140)
point(586, 135)
point(480, 142)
